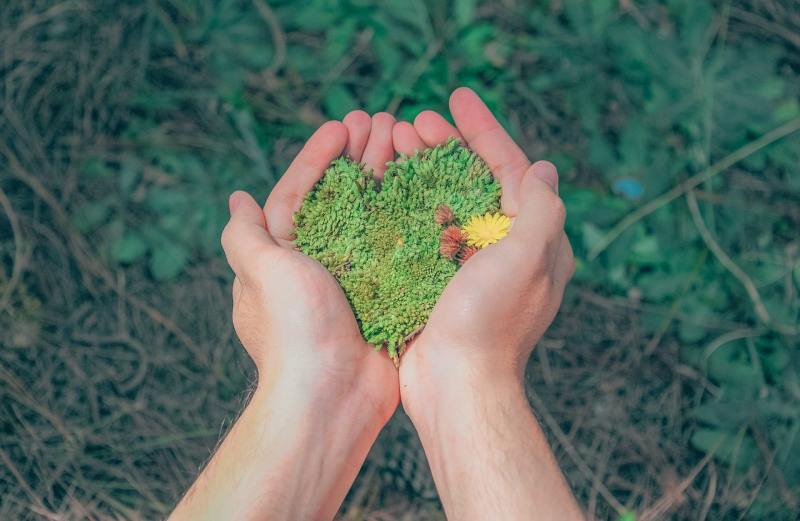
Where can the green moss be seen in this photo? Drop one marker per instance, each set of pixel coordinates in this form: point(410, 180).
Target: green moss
point(382, 244)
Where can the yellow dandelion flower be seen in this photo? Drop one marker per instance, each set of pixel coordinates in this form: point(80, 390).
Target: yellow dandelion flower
point(483, 230)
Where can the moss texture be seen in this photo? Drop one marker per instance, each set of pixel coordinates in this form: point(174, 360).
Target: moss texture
point(382, 243)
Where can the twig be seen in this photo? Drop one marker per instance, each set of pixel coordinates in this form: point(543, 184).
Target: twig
point(278, 38)
point(627, 6)
point(252, 148)
point(23, 483)
point(674, 308)
point(712, 492)
point(172, 29)
point(757, 489)
point(694, 181)
point(362, 40)
point(20, 392)
point(16, 270)
point(730, 336)
point(733, 268)
point(766, 24)
point(573, 454)
point(663, 505)
point(414, 75)
point(82, 252)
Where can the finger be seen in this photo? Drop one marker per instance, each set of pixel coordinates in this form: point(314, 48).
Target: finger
point(325, 145)
point(245, 237)
point(433, 129)
point(484, 134)
point(540, 221)
point(379, 148)
point(564, 263)
point(406, 139)
point(237, 288)
point(358, 125)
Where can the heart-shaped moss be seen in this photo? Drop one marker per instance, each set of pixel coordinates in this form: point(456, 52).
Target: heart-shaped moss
point(388, 247)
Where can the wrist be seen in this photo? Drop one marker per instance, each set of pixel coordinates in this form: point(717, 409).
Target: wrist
point(298, 449)
point(431, 381)
point(330, 389)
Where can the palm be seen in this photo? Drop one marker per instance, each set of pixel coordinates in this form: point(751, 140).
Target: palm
point(475, 284)
point(461, 309)
point(319, 309)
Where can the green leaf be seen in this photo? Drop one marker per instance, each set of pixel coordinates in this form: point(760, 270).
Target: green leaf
point(602, 10)
point(592, 235)
point(129, 248)
point(90, 215)
point(787, 110)
point(94, 167)
point(796, 272)
point(128, 177)
point(464, 12)
point(646, 250)
point(734, 449)
point(339, 101)
point(691, 332)
point(731, 364)
point(769, 88)
point(627, 516)
point(168, 260)
point(775, 360)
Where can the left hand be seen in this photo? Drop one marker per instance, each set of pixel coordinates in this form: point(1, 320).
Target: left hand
point(289, 313)
point(323, 394)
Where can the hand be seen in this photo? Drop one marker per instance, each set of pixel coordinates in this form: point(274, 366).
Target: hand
point(461, 379)
point(502, 300)
point(289, 313)
point(323, 393)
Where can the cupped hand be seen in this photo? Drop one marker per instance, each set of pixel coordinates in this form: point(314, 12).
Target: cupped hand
point(501, 301)
point(288, 311)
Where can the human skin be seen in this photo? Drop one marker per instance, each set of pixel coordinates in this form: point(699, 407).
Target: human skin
point(462, 379)
point(323, 394)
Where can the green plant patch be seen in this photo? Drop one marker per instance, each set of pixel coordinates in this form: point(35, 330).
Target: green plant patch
point(387, 245)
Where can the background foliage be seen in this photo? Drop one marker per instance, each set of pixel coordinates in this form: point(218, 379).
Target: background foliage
point(669, 383)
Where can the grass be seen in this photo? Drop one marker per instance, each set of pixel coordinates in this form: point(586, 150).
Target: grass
point(669, 382)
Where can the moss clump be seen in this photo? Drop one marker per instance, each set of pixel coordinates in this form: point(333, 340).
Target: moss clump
point(383, 245)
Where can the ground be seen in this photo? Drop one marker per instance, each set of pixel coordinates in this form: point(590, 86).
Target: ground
point(669, 382)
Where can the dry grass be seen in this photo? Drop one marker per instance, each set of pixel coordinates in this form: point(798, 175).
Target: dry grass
point(115, 389)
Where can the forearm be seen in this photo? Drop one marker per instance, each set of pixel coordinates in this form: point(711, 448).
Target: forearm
point(488, 455)
point(287, 457)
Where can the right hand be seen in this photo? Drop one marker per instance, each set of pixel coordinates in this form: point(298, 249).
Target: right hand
point(499, 304)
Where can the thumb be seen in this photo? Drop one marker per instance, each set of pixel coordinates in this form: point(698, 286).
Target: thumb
point(542, 214)
point(245, 237)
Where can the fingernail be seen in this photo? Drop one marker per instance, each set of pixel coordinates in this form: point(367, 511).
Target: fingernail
point(546, 171)
point(234, 200)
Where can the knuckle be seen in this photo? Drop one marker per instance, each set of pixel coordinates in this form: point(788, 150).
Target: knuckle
point(261, 258)
point(530, 255)
point(226, 238)
point(543, 163)
point(383, 117)
point(356, 116)
point(557, 206)
point(543, 268)
point(282, 202)
point(570, 267)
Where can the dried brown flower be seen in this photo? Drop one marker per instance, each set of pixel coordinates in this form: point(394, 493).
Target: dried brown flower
point(465, 253)
point(450, 241)
point(443, 215)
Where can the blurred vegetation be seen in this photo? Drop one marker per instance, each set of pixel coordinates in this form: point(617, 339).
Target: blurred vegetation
point(671, 376)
